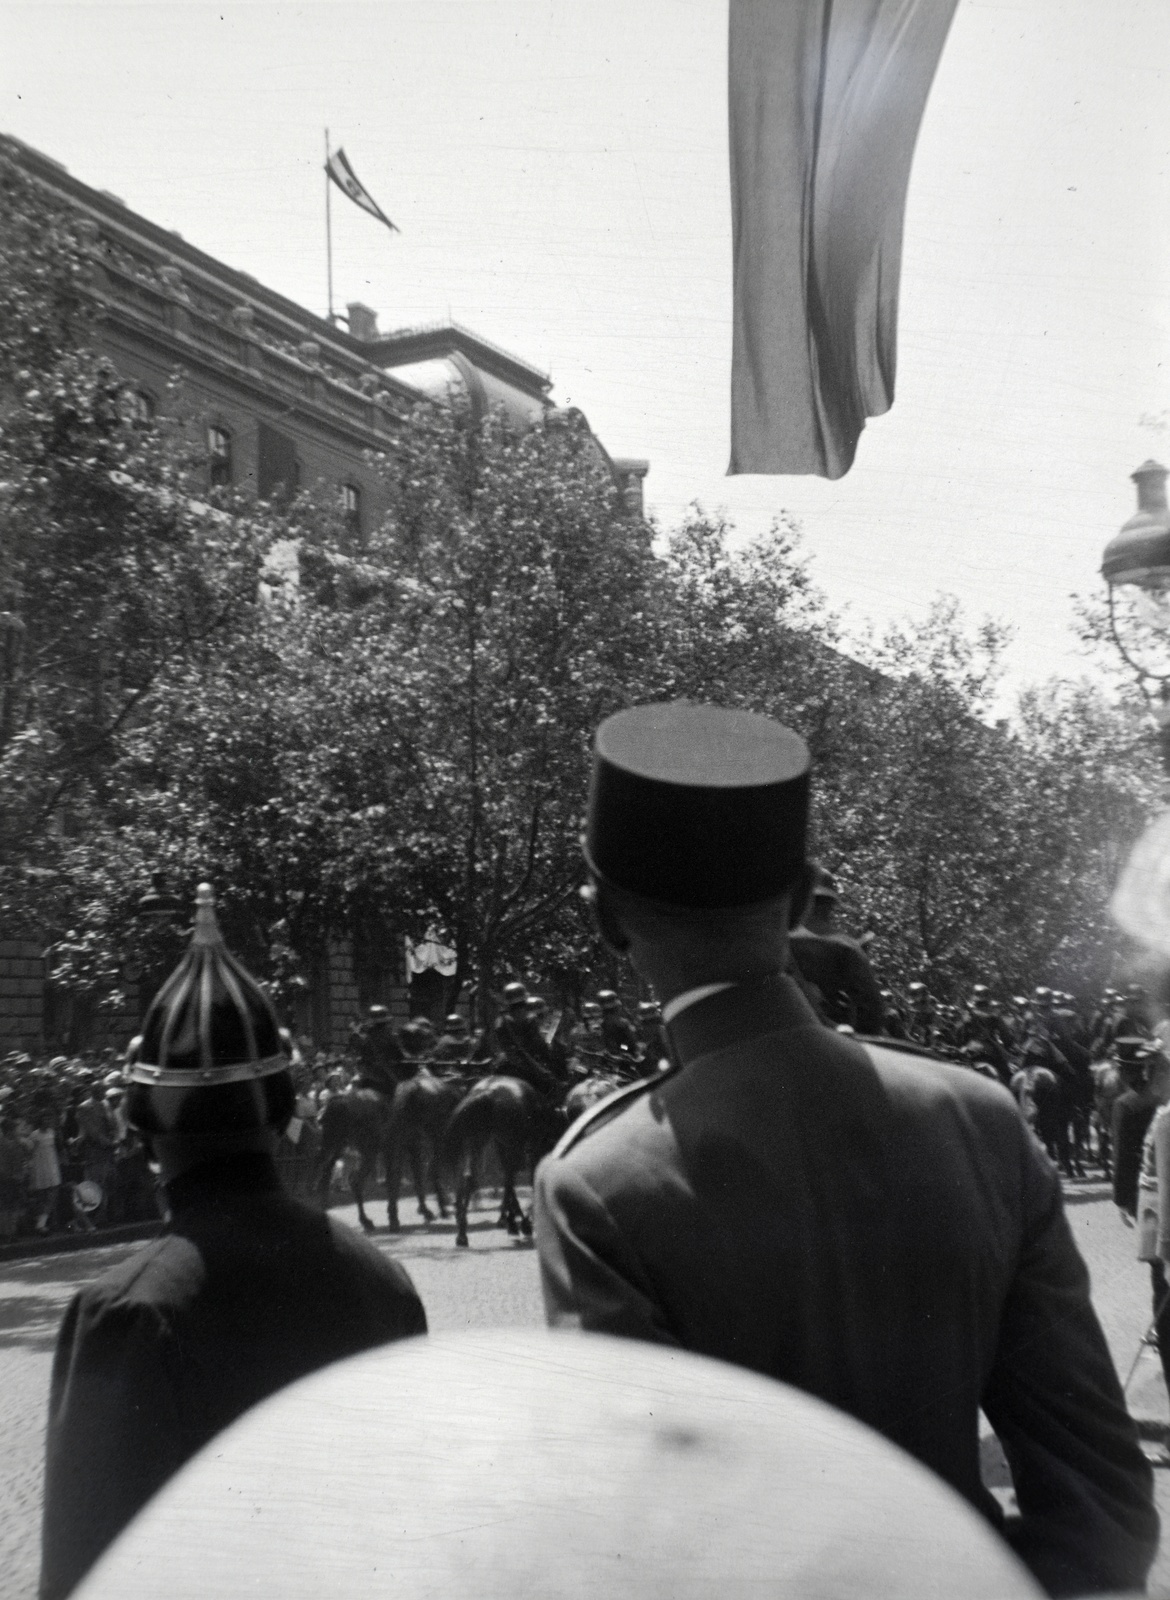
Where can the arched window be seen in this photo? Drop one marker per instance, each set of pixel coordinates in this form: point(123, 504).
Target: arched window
point(137, 407)
point(219, 455)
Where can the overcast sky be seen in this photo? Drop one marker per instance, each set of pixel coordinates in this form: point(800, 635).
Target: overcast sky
point(559, 174)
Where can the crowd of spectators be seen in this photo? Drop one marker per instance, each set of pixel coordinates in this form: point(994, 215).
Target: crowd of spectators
point(69, 1162)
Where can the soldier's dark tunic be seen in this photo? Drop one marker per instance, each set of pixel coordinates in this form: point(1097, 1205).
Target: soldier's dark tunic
point(874, 1227)
point(247, 1291)
point(527, 1055)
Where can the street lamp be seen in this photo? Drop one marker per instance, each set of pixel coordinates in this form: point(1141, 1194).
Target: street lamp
point(1137, 562)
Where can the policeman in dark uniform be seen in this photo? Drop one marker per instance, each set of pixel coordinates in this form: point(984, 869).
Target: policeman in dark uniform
point(246, 1290)
point(523, 1052)
point(586, 1041)
point(874, 1227)
point(982, 1027)
point(457, 1045)
point(619, 1033)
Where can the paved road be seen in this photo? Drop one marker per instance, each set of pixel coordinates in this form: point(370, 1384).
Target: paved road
point(494, 1284)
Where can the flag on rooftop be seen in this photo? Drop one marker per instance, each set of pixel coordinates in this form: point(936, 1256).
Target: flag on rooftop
point(338, 167)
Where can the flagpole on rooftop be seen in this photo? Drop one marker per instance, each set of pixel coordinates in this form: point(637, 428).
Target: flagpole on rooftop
point(328, 228)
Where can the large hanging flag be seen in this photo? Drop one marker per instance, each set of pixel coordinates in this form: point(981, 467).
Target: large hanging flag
point(338, 167)
point(826, 97)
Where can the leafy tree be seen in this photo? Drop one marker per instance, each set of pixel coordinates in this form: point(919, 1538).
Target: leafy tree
point(519, 615)
point(980, 850)
point(109, 573)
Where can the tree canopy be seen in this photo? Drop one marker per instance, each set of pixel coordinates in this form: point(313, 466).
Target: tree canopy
point(368, 738)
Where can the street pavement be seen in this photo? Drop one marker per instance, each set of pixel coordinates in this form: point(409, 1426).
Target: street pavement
point(493, 1284)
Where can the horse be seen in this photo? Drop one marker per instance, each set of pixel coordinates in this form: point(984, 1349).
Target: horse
point(509, 1116)
point(422, 1108)
point(360, 1118)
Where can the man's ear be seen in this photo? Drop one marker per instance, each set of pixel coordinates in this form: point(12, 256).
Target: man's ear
point(611, 931)
point(801, 895)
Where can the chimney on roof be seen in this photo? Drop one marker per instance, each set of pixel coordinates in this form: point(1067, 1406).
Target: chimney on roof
point(363, 323)
point(630, 476)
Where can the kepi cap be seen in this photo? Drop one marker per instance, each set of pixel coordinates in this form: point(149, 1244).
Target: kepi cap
point(697, 806)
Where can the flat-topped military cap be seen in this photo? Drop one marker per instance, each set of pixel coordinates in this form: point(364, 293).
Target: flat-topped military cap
point(697, 806)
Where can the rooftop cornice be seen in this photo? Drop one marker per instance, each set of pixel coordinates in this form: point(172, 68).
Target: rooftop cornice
point(136, 231)
point(438, 339)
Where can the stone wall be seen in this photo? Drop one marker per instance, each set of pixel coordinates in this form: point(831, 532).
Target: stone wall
point(22, 992)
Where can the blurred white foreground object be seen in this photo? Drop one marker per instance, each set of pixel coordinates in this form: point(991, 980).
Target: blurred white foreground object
point(1141, 901)
point(523, 1464)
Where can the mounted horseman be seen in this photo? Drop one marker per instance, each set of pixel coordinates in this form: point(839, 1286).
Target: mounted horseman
point(423, 1104)
point(517, 1112)
point(360, 1118)
point(522, 1050)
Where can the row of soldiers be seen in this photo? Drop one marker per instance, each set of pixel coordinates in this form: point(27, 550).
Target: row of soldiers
point(548, 1050)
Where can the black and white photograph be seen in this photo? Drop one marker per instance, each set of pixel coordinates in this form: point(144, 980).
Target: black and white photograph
point(584, 799)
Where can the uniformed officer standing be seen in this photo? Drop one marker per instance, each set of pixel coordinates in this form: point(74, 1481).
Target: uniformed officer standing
point(246, 1291)
point(872, 1226)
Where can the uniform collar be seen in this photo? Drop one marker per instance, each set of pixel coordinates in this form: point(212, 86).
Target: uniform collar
point(739, 1012)
point(690, 997)
point(249, 1172)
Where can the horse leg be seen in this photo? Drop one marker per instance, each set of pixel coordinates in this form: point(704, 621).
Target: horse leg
point(392, 1162)
point(419, 1173)
point(437, 1184)
point(326, 1162)
point(463, 1190)
point(357, 1184)
point(508, 1216)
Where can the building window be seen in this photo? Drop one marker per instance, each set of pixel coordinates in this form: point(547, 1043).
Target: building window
point(219, 456)
point(351, 506)
point(137, 407)
point(278, 472)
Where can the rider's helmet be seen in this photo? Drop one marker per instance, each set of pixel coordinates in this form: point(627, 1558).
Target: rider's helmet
point(590, 1011)
point(608, 1000)
point(1042, 997)
point(918, 992)
point(377, 1014)
point(515, 994)
point(649, 1011)
point(210, 1060)
point(455, 1022)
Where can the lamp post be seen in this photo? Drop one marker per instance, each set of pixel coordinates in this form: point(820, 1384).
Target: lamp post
point(1136, 567)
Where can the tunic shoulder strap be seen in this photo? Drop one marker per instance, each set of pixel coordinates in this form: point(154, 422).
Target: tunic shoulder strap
point(606, 1110)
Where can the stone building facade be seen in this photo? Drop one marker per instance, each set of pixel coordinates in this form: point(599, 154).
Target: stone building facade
point(281, 399)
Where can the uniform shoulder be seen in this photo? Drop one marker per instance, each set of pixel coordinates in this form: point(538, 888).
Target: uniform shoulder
point(364, 1260)
point(901, 1047)
point(157, 1273)
point(916, 1065)
point(605, 1112)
